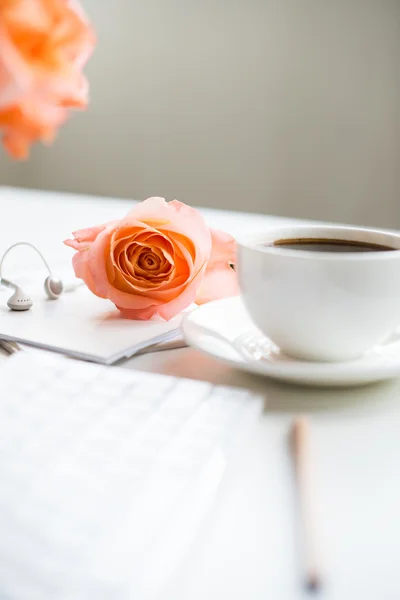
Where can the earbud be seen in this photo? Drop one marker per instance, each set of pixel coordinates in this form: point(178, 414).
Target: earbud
point(53, 286)
point(19, 300)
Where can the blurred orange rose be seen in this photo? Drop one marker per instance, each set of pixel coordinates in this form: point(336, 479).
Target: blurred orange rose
point(44, 45)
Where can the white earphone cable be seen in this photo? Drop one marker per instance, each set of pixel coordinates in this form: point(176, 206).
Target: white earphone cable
point(9, 283)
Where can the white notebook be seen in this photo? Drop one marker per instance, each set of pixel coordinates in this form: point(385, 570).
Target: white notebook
point(83, 326)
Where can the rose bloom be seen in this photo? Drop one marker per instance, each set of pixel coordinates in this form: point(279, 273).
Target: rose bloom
point(44, 45)
point(157, 260)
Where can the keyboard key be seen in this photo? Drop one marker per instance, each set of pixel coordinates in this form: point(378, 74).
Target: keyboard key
point(82, 371)
point(102, 387)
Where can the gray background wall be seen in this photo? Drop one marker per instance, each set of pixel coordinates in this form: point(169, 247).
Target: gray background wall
point(286, 107)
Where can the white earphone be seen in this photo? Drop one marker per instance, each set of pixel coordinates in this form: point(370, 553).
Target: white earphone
point(20, 300)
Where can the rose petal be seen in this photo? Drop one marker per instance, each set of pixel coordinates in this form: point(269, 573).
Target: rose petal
point(170, 309)
point(219, 282)
point(223, 247)
point(83, 238)
point(182, 259)
point(174, 217)
point(99, 249)
point(80, 262)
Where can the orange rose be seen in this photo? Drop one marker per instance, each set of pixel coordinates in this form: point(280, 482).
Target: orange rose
point(157, 260)
point(43, 46)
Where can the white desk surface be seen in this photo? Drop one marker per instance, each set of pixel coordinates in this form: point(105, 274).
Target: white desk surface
point(247, 547)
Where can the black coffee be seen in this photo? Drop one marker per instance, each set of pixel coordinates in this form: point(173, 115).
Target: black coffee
point(328, 245)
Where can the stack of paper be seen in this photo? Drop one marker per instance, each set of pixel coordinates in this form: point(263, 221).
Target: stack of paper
point(81, 325)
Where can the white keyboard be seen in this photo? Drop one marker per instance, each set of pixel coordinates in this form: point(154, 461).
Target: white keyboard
point(105, 474)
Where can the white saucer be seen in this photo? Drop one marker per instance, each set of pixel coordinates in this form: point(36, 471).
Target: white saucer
point(223, 329)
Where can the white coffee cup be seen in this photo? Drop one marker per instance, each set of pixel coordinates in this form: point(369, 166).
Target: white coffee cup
point(321, 306)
